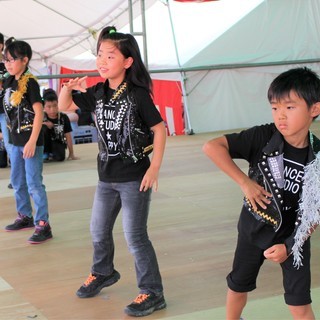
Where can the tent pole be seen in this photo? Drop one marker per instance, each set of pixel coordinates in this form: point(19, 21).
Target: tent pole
point(183, 78)
point(143, 33)
point(130, 16)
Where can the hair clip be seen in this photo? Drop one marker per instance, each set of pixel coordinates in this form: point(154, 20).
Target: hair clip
point(112, 31)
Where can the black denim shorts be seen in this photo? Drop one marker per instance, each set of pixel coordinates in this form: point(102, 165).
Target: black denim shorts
point(249, 258)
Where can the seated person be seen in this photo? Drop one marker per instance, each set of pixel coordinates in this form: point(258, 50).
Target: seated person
point(57, 130)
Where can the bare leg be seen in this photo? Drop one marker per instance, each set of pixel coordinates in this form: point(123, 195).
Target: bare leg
point(236, 301)
point(302, 312)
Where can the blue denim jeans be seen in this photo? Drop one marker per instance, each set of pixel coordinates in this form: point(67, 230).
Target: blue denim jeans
point(109, 199)
point(26, 179)
point(5, 133)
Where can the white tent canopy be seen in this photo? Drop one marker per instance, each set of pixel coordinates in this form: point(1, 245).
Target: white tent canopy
point(61, 30)
point(64, 31)
point(227, 51)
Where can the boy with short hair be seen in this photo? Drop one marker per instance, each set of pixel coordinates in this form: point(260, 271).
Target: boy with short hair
point(56, 130)
point(280, 209)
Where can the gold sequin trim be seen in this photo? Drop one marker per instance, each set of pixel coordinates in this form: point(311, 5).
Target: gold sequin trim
point(262, 214)
point(16, 96)
point(26, 126)
point(119, 91)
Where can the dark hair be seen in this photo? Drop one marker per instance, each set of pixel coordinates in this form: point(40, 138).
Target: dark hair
point(49, 95)
point(18, 49)
point(9, 41)
point(137, 74)
point(1, 38)
point(303, 81)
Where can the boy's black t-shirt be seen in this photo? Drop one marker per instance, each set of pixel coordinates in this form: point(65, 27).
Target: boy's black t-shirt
point(248, 145)
point(63, 125)
point(115, 169)
point(294, 161)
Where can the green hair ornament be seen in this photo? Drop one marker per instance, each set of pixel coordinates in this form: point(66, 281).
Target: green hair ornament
point(112, 31)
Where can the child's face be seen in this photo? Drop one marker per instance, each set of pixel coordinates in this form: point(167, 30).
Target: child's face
point(51, 109)
point(111, 63)
point(15, 66)
point(293, 118)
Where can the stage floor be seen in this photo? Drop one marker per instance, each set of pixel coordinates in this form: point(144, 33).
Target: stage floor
point(192, 226)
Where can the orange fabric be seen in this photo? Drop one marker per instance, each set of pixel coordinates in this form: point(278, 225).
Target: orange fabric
point(90, 279)
point(140, 298)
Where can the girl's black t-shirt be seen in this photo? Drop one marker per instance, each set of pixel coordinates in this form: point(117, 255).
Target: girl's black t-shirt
point(32, 96)
point(115, 169)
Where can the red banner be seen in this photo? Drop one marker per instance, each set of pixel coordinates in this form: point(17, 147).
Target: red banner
point(168, 99)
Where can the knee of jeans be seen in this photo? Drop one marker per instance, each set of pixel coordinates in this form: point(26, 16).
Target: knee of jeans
point(36, 189)
point(100, 235)
point(136, 241)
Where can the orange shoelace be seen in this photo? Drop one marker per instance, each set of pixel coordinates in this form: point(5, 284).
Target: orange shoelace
point(141, 298)
point(90, 279)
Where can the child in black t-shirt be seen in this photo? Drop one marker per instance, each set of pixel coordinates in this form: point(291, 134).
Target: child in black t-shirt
point(279, 212)
point(24, 114)
point(125, 115)
point(57, 130)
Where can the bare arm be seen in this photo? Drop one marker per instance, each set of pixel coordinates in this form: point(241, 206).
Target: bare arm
point(218, 151)
point(49, 124)
point(29, 148)
point(70, 147)
point(65, 97)
point(150, 178)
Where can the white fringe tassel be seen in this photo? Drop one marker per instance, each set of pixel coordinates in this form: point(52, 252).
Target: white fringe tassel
point(309, 209)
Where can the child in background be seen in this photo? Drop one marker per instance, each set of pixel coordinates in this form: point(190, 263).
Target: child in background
point(280, 208)
point(23, 106)
point(3, 122)
point(57, 130)
point(124, 114)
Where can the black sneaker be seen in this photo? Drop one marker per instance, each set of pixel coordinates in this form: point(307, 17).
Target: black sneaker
point(95, 283)
point(41, 234)
point(145, 304)
point(22, 222)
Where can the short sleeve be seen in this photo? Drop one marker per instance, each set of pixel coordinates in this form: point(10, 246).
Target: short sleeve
point(33, 92)
point(249, 143)
point(67, 124)
point(85, 101)
point(146, 107)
